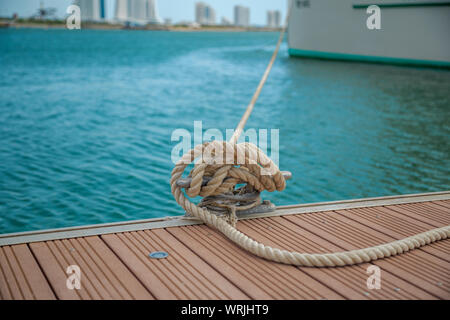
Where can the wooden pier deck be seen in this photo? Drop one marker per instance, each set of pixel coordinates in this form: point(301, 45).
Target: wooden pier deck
point(203, 264)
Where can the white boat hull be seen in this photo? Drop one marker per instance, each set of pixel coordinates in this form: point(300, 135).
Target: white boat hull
point(412, 31)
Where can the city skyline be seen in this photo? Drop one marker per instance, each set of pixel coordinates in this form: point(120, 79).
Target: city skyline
point(92, 10)
point(204, 13)
point(175, 10)
point(137, 11)
point(273, 18)
point(241, 16)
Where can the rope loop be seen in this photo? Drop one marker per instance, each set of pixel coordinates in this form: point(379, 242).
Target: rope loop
point(220, 166)
point(224, 165)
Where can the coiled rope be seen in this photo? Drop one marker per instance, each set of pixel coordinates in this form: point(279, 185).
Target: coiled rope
point(223, 165)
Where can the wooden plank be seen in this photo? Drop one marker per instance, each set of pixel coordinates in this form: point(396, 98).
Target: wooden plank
point(356, 203)
point(351, 235)
point(181, 275)
point(193, 262)
point(21, 276)
point(394, 225)
point(135, 263)
point(5, 291)
point(54, 271)
point(442, 204)
point(430, 216)
point(18, 274)
point(103, 275)
point(85, 258)
point(173, 269)
point(35, 279)
point(180, 285)
point(225, 269)
point(90, 286)
point(431, 204)
point(416, 217)
point(13, 288)
point(273, 232)
point(258, 278)
point(114, 270)
point(93, 286)
point(348, 281)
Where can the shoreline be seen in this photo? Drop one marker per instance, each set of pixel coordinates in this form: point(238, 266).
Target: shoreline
point(8, 24)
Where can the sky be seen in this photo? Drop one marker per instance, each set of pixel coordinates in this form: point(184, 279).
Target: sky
point(176, 10)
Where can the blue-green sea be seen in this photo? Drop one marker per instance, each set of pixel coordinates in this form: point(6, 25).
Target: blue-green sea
point(86, 119)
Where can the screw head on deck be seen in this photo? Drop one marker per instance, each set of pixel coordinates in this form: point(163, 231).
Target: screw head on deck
point(158, 255)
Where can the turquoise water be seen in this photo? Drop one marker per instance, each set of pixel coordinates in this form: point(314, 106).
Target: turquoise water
point(86, 120)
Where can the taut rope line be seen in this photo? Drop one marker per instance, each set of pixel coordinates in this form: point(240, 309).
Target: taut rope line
point(244, 163)
point(248, 111)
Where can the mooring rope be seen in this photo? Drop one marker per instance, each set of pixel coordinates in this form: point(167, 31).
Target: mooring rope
point(222, 165)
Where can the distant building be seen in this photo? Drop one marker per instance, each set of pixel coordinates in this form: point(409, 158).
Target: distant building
point(137, 11)
point(204, 14)
point(92, 10)
point(241, 16)
point(152, 12)
point(225, 22)
point(121, 10)
point(273, 18)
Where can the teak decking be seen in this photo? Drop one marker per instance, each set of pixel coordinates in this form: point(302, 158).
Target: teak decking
point(203, 264)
